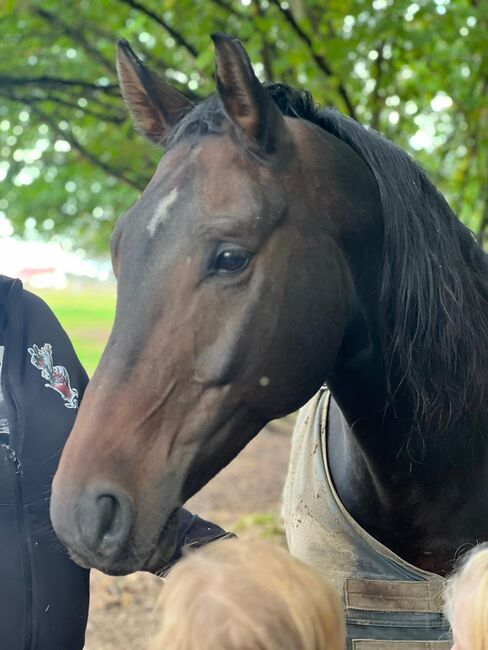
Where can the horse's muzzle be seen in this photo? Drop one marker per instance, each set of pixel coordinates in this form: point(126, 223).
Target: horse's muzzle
point(95, 525)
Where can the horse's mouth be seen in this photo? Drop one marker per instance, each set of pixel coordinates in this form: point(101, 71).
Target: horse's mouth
point(131, 560)
point(165, 548)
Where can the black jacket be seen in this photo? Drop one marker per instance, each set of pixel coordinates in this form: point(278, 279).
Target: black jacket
point(43, 594)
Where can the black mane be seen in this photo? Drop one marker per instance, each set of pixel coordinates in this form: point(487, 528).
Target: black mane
point(433, 310)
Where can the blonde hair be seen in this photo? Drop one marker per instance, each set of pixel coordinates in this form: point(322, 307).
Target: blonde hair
point(237, 595)
point(468, 586)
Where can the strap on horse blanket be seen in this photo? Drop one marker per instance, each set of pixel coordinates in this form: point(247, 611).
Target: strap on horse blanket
point(394, 595)
point(360, 644)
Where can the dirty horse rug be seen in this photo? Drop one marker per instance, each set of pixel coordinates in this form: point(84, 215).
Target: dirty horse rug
point(390, 604)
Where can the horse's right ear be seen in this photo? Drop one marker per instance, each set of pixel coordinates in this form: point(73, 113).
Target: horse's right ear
point(245, 101)
point(155, 106)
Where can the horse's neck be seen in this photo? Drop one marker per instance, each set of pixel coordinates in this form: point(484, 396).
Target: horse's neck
point(407, 490)
point(385, 424)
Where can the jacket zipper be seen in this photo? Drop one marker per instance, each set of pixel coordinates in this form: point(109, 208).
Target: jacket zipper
point(19, 501)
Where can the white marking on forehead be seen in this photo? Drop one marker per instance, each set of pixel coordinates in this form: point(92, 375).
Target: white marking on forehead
point(162, 212)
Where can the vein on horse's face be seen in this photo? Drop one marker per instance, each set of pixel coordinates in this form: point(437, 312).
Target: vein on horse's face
point(162, 211)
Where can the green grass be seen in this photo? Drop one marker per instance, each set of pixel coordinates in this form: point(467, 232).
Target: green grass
point(87, 317)
point(267, 525)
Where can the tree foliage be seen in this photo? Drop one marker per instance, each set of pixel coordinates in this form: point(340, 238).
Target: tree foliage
point(71, 162)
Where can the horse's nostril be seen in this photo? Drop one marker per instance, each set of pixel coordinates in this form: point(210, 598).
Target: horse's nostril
point(107, 514)
point(106, 522)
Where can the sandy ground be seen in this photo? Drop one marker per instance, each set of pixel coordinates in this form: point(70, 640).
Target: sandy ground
point(244, 497)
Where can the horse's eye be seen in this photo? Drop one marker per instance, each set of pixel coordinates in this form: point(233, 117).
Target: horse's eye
point(231, 261)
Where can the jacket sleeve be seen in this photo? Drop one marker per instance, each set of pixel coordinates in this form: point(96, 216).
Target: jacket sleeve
point(45, 382)
point(193, 532)
point(52, 382)
point(47, 326)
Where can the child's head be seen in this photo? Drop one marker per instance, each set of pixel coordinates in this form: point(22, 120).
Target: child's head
point(237, 595)
point(466, 601)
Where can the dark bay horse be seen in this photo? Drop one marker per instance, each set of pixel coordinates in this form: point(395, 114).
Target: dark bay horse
point(278, 246)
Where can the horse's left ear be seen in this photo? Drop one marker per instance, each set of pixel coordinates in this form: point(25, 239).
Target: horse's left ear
point(245, 100)
point(154, 105)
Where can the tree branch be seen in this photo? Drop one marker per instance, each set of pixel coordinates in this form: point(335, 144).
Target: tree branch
point(75, 144)
point(376, 96)
point(267, 57)
point(55, 99)
point(267, 51)
point(483, 229)
point(77, 36)
point(319, 59)
point(134, 4)
point(53, 82)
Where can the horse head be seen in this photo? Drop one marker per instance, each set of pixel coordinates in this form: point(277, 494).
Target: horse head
point(234, 293)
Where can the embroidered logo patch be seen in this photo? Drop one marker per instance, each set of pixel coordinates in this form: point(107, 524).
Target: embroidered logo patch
point(57, 376)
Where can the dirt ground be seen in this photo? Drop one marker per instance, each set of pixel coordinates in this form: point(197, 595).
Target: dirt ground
point(244, 497)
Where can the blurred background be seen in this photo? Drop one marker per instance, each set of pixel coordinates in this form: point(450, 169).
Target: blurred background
point(71, 164)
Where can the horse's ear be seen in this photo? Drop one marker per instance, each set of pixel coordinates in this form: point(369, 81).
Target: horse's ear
point(245, 100)
point(154, 105)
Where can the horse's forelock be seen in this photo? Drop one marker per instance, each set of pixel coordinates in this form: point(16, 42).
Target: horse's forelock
point(207, 118)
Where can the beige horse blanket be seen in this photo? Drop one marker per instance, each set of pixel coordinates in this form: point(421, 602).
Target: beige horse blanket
point(390, 604)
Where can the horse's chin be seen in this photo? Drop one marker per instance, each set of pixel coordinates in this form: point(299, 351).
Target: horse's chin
point(159, 555)
point(165, 548)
